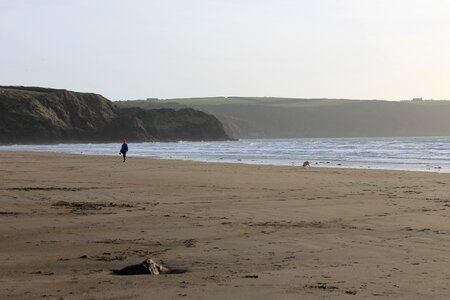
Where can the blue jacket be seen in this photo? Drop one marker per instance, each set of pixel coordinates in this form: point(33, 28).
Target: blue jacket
point(124, 148)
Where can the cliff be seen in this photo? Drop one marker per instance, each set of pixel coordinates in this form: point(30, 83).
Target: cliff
point(269, 117)
point(42, 115)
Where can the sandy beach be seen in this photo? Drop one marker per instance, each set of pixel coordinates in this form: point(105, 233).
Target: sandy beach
point(240, 231)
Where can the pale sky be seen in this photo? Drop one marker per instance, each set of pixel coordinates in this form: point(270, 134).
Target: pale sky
point(135, 49)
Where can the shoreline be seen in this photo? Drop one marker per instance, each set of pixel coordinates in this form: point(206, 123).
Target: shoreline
point(314, 166)
point(241, 231)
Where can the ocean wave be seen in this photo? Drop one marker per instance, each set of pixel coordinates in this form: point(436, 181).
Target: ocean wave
point(415, 153)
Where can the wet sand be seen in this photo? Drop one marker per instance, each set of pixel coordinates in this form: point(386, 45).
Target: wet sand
point(241, 231)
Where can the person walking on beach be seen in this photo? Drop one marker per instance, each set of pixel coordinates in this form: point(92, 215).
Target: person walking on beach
point(124, 150)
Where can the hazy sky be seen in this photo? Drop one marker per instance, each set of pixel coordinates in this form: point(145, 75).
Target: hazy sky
point(384, 49)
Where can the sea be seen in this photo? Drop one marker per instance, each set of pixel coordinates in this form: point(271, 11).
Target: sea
point(430, 154)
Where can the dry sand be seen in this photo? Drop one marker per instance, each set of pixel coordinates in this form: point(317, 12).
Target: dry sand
point(243, 232)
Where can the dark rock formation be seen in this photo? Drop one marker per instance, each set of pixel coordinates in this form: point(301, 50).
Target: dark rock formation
point(167, 125)
point(41, 115)
point(149, 267)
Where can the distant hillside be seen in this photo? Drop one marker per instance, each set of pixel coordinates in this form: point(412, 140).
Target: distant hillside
point(42, 115)
point(245, 117)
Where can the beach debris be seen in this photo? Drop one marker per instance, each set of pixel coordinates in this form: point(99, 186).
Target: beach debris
point(148, 266)
point(43, 273)
point(66, 189)
point(9, 213)
point(108, 257)
point(105, 257)
point(82, 205)
point(190, 243)
point(321, 285)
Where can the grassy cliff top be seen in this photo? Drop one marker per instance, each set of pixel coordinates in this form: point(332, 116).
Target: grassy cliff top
point(279, 101)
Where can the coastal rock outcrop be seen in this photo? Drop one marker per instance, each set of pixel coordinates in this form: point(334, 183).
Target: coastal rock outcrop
point(43, 115)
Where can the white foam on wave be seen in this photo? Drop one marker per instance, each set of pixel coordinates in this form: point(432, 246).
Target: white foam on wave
point(416, 153)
